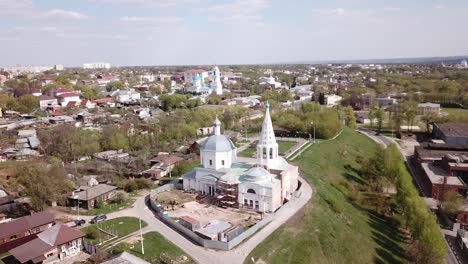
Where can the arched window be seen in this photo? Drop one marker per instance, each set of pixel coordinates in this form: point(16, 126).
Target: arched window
point(251, 191)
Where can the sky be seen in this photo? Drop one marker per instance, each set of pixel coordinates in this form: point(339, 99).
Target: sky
point(208, 32)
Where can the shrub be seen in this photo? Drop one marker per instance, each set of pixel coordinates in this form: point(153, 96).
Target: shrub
point(119, 198)
point(131, 186)
point(92, 234)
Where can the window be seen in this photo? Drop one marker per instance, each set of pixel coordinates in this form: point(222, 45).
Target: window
point(245, 202)
point(251, 191)
point(79, 242)
point(222, 162)
point(251, 203)
point(14, 237)
point(64, 248)
point(257, 205)
point(211, 162)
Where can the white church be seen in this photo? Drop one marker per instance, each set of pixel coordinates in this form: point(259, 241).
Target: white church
point(199, 86)
point(263, 186)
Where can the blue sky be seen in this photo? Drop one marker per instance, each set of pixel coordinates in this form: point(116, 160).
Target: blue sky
point(174, 32)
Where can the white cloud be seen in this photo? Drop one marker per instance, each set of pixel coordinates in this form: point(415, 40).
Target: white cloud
point(65, 14)
point(440, 7)
point(329, 11)
point(155, 20)
point(146, 3)
point(239, 11)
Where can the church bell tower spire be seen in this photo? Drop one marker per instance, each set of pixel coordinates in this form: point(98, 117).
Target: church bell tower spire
point(267, 148)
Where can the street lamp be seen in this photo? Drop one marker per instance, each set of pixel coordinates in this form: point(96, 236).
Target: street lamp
point(312, 123)
point(141, 234)
point(78, 205)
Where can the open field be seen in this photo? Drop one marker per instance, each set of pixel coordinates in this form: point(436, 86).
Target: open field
point(120, 227)
point(331, 228)
point(156, 245)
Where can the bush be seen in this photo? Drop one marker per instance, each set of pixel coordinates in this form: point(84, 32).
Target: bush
point(99, 203)
point(143, 183)
point(92, 234)
point(131, 186)
point(119, 198)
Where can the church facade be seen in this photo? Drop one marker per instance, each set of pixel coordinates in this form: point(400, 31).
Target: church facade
point(199, 86)
point(262, 185)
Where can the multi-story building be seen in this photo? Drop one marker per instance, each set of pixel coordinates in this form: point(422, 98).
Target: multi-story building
point(96, 65)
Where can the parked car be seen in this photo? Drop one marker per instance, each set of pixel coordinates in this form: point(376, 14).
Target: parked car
point(98, 218)
point(80, 222)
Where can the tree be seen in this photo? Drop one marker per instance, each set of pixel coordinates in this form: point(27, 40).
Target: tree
point(429, 118)
point(350, 118)
point(213, 99)
point(372, 112)
point(43, 184)
point(410, 110)
point(380, 115)
point(115, 85)
point(88, 92)
point(452, 201)
point(180, 168)
point(114, 138)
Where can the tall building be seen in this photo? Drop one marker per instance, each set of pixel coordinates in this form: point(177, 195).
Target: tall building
point(96, 65)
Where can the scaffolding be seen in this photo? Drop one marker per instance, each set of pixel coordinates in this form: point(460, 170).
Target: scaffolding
point(227, 195)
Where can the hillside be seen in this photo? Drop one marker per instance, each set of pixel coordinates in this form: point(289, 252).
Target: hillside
point(332, 228)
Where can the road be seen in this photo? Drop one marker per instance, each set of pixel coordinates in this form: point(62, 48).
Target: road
point(207, 256)
point(386, 141)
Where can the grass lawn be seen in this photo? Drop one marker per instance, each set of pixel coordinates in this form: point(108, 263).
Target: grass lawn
point(457, 113)
point(107, 207)
point(331, 228)
point(284, 146)
point(155, 244)
point(250, 151)
point(120, 227)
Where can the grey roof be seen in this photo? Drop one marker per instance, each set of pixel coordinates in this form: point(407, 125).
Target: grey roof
point(93, 192)
point(27, 133)
point(214, 227)
point(218, 143)
point(126, 258)
point(256, 174)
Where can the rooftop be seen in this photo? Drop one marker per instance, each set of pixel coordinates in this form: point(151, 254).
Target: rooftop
point(93, 192)
point(454, 129)
point(437, 175)
point(25, 223)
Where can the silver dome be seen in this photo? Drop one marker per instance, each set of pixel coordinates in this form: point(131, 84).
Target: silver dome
point(256, 174)
point(218, 143)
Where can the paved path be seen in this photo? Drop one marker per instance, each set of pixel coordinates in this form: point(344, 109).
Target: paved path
point(208, 256)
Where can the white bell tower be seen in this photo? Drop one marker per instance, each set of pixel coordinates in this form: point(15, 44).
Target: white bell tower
point(267, 148)
point(216, 85)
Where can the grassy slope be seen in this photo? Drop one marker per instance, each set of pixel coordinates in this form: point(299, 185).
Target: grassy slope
point(284, 146)
point(318, 234)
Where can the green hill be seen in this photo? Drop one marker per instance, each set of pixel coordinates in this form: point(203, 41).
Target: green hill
point(333, 227)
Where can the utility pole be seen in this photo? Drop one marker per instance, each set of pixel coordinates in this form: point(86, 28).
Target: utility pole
point(141, 238)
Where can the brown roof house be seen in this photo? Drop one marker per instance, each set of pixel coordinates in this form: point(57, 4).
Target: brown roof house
point(87, 196)
point(162, 165)
point(24, 229)
point(53, 245)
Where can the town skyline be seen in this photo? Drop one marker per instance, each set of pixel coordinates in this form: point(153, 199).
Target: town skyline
point(189, 32)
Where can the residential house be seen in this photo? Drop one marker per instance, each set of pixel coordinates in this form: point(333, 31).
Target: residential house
point(87, 196)
point(68, 99)
point(90, 104)
point(332, 99)
point(126, 96)
point(55, 244)
point(162, 165)
point(46, 101)
point(24, 229)
point(385, 101)
point(425, 108)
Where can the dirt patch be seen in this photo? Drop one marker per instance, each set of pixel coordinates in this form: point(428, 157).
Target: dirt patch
point(174, 198)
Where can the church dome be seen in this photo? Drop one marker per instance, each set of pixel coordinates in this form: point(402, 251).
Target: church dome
point(197, 77)
point(256, 174)
point(218, 143)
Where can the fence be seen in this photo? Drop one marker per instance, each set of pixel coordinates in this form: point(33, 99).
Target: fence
point(219, 245)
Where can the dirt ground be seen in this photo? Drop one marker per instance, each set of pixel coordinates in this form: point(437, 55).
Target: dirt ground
point(178, 196)
point(204, 214)
point(407, 146)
